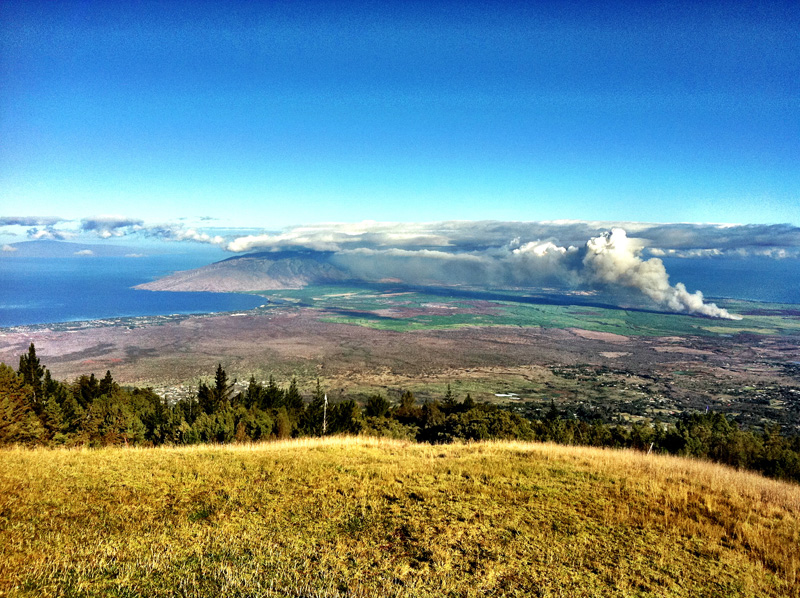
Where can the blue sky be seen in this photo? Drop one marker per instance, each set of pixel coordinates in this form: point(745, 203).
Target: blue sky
point(268, 115)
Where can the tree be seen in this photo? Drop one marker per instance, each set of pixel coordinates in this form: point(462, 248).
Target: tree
point(18, 422)
point(273, 395)
point(253, 394)
point(345, 418)
point(87, 389)
point(468, 403)
point(214, 399)
point(449, 403)
point(74, 416)
point(54, 388)
point(283, 424)
point(107, 385)
point(432, 419)
point(377, 406)
point(315, 412)
point(222, 390)
point(407, 412)
point(293, 401)
point(52, 417)
point(205, 398)
point(32, 372)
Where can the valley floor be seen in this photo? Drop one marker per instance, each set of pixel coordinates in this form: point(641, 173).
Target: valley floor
point(752, 377)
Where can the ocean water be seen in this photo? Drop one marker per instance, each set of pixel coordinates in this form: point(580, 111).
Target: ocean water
point(48, 290)
point(753, 279)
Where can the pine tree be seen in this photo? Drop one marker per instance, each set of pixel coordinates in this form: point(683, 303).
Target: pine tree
point(74, 415)
point(18, 422)
point(253, 395)
point(52, 416)
point(407, 412)
point(53, 388)
point(345, 417)
point(377, 406)
point(32, 372)
point(205, 398)
point(107, 385)
point(449, 404)
point(87, 389)
point(273, 395)
point(222, 390)
point(283, 424)
point(468, 403)
point(293, 401)
point(214, 399)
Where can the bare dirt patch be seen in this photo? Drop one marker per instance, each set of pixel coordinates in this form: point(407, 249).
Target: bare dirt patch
point(608, 337)
point(684, 350)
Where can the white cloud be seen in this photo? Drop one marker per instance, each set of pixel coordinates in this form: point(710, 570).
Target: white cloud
point(49, 234)
point(111, 226)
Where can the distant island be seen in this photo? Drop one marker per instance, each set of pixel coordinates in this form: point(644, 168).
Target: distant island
point(254, 272)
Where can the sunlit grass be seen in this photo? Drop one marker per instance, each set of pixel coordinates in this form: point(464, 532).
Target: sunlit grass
point(368, 517)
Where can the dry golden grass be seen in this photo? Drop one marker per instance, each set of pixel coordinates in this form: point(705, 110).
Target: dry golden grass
point(368, 517)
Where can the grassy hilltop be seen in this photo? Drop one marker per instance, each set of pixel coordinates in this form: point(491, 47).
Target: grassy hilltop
point(366, 517)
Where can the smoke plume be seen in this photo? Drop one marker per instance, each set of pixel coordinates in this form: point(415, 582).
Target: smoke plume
point(612, 259)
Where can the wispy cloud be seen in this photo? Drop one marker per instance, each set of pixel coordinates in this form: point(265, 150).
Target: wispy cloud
point(177, 232)
point(111, 226)
point(30, 220)
point(9, 249)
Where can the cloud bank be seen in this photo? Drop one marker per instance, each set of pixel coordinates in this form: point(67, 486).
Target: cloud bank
point(660, 240)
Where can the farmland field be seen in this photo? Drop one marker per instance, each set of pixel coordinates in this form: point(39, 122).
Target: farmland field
point(402, 309)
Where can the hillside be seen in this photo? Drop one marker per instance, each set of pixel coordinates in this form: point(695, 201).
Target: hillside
point(365, 517)
point(253, 272)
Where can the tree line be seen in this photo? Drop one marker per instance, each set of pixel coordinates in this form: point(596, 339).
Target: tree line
point(35, 409)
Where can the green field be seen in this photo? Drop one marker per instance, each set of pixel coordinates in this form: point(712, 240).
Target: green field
point(404, 311)
point(342, 517)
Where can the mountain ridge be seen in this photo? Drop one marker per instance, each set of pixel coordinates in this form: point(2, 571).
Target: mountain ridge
point(254, 272)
